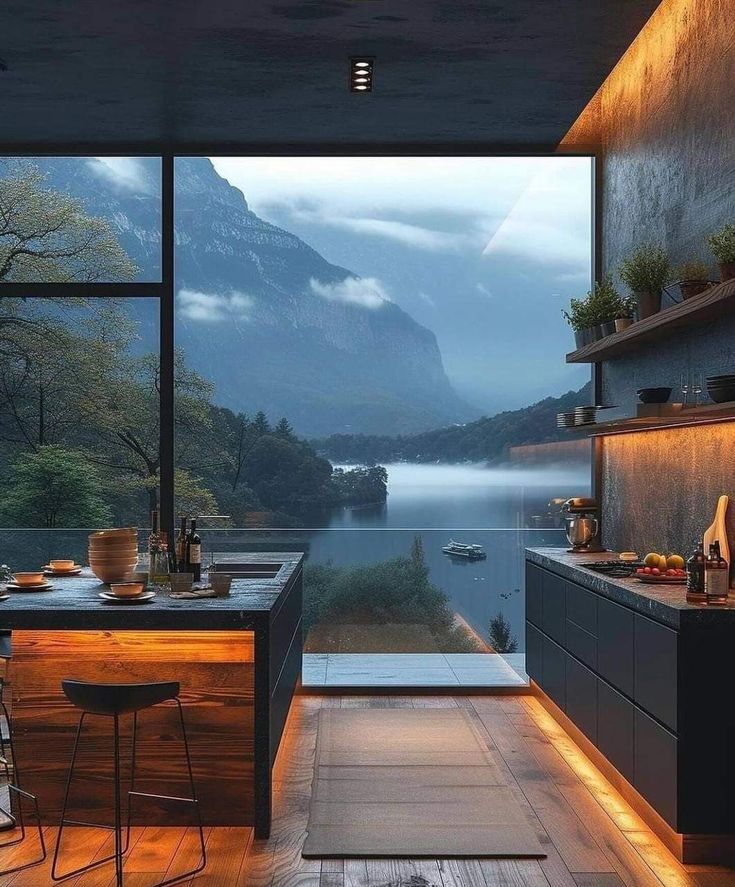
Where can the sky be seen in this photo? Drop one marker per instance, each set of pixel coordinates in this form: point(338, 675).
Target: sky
point(483, 251)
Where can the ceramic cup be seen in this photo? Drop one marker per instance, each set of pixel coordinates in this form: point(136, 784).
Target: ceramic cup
point(29, 578)
point(127, 589)
point(182, 581)
point(62, 565)
point(221, 583)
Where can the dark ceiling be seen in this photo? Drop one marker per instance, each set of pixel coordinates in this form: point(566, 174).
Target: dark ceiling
point(485, 74)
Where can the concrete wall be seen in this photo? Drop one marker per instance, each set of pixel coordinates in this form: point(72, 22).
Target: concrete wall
point(664, 126)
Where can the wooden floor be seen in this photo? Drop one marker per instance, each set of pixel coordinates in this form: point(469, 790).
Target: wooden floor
point(591, 835)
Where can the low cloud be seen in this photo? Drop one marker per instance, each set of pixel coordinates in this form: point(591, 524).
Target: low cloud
point(365, 291)
point(415, 236)
point(214, 307)
point(126, 173)
point(483, 290)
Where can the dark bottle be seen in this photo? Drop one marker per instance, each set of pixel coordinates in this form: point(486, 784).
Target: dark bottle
point(194, 552)
point(695, 576)
point(716, 576)
point(181, 547)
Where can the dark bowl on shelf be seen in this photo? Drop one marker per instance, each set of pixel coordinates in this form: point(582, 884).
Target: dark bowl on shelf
point(654, 395)
point(721, 393)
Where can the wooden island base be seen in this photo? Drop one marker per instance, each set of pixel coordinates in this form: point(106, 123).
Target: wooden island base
point(217, 677)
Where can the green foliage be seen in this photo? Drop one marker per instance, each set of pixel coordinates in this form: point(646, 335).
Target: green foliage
point(501, 639)
point(360, 486)
point(693, 271)
point(46, 236)
point(54, 487)
point(486, 439)
point(647, 270)
point(601, 304)
point(579, 317)
point(395, 597)
point(722, 243)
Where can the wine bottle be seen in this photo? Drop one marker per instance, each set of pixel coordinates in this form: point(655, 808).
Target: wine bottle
point(181, 547)
point(194, 552)
point(695, 576)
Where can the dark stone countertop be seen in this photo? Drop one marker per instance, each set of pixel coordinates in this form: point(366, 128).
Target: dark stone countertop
point(74, 603)
point(664, 603)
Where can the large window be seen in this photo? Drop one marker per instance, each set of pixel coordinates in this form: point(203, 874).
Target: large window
point(367, 367)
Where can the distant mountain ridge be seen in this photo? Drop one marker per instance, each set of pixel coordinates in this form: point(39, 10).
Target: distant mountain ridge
point(264, 316)
point(485, 440)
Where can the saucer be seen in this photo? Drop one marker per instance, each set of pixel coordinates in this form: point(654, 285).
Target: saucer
point(44, 586)
point(49, 571)
point(111, 598)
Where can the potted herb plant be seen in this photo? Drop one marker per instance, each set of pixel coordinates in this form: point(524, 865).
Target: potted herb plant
point(579, 319)
point(625, 313)
point(722, 244)
point(604, 305)
point(646, 272)
point(693, 279)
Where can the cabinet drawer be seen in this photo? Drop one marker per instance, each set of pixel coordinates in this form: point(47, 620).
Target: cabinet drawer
point(616, 645)
point(555, 673)
point(581, 644)
point(534, 606)
point(616, 729)
point(581, 698)
point(554, 606)
point(656, 766)
point(582, 607)
point(534, 654)
point(656, 670)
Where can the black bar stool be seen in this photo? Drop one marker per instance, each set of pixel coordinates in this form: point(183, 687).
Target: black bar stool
point(8, 821)
point(112, 701)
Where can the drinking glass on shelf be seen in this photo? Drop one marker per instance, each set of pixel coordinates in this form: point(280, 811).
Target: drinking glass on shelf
point(696, 386)
point(684, 385)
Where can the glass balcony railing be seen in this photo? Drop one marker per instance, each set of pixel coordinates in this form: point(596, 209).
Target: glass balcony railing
point(382, 607)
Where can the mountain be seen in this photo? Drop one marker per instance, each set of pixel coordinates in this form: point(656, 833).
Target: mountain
point(262, 315)
point(485, 440)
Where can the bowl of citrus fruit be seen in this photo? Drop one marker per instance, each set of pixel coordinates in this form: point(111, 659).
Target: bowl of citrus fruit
point(662, 569)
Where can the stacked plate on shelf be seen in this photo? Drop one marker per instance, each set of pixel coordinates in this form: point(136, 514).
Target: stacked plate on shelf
point(113, 554)
point(721, 388)
point(565, 420)
point(585, 415)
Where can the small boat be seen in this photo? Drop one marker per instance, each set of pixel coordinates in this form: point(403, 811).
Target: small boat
point(462, 549)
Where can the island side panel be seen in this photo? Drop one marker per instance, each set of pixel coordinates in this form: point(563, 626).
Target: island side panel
point(216, 673)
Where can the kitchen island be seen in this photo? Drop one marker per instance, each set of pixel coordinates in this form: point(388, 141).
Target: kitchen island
point(237, 658)
point(642, 681)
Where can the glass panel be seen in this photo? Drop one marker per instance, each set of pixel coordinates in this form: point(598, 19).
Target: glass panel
point(80, 219)
point(374, 354)
point(79, 413)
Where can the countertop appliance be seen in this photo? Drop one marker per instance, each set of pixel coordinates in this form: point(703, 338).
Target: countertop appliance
point(582, 525)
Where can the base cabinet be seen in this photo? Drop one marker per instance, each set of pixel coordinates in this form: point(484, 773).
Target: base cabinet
point(650, 698)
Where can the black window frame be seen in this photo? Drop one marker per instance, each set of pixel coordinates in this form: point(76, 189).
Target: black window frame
point(164, 290)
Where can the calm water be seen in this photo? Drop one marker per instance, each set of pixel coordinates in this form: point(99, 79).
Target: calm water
point(495, 507)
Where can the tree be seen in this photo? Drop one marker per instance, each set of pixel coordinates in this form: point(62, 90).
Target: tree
point(284, 429)
point(54, 487)
point(46, 236)
point(261, 425)
point(501, 639)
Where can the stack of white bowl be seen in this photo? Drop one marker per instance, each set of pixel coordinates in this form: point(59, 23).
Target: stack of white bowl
point(113, 554)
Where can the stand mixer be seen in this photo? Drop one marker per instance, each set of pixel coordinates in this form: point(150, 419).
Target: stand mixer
point(582, 525)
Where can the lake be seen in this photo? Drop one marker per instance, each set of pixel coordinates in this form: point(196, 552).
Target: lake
point(502, 508)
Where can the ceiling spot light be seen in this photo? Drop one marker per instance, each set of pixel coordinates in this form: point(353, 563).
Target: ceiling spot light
point(361, 73)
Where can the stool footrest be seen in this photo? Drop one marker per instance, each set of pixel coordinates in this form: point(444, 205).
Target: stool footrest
point(164, 797)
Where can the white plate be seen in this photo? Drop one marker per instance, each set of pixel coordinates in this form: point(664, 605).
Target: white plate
point(45, 586)
point(111, 598)
point(48, 571)
point(4, 597)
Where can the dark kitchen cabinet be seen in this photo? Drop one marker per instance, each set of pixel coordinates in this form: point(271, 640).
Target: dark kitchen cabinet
point(656, 669)
point(582, 608)
point(534, 654)
point(581, 697)
point(616, 729)
point(616, 645)
point(581, 644)
point(554, 606)
point(555, 673)
point(534, 601)
point(656, 766)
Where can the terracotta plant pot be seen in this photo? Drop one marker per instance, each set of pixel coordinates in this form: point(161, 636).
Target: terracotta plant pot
point(691, 288)
point(648, 304)
point(622, 323)
point(727, 270)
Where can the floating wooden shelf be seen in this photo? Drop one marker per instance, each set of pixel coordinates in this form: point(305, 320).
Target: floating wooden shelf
point(706, 414)
point(704, 308)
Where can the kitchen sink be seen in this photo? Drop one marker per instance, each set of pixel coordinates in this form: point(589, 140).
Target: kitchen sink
point(260, 570)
